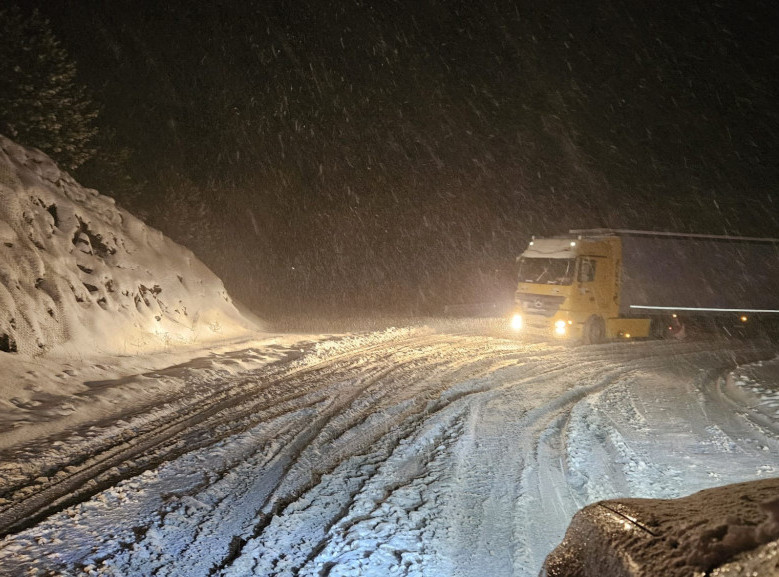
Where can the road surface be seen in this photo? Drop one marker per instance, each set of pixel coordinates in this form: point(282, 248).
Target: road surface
point(417, 451)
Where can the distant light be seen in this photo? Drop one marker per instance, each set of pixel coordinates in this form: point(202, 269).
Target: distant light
point(674, 315)
point(531, 243)
point(573, 243)
point(744, 318)
point(516, 322)
point(627, 335)
point(560, 327)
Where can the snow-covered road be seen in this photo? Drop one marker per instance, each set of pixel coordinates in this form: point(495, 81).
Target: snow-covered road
point(403, 452)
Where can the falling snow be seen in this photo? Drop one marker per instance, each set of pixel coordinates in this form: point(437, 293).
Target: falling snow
point(329, 160)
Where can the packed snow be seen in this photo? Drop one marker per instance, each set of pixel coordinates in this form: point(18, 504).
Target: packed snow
point(435, 447)
point(79, 273)
point(431, 450)
point(85, 284)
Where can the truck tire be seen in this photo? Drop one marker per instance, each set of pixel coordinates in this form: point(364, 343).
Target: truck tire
point(594, 331)
point(658, 329)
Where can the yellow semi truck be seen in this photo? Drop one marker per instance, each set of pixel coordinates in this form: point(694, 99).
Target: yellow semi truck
point(599, 284)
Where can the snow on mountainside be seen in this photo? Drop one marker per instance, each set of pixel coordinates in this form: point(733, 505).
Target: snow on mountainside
point(78, 273)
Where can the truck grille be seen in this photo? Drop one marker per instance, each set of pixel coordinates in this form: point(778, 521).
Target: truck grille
point(546, 305)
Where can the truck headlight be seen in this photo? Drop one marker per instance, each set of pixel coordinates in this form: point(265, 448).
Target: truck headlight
point(516, 322)
point(560, 327)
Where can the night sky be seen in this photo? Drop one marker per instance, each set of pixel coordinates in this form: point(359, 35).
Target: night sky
point(397, 155)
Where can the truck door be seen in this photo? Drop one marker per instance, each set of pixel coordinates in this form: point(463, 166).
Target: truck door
point(590, 286)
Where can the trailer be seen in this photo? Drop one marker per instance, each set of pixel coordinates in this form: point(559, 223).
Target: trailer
point(603, 284)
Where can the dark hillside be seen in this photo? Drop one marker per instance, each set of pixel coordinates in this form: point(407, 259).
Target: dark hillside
point(399, 154)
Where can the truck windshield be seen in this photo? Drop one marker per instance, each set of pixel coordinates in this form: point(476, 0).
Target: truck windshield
point(546, 270)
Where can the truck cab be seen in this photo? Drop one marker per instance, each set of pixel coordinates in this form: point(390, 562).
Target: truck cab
point(569, 286)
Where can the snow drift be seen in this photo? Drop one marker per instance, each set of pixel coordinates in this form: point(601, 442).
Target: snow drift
point(79, 273)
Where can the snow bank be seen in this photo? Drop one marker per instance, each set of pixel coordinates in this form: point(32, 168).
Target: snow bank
point(80, 275)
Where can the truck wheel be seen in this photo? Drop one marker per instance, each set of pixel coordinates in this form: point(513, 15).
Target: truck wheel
point(658, 329)
point(594, 331)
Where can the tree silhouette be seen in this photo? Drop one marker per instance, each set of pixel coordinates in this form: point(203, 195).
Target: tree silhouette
point(42, 103)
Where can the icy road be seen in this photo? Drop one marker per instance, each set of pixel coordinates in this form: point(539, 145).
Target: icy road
point(414, 451)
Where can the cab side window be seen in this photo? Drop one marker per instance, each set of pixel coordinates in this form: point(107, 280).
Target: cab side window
point(587, 270)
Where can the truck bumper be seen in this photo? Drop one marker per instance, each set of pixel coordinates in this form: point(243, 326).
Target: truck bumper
point(556, 327)
point(566, 328)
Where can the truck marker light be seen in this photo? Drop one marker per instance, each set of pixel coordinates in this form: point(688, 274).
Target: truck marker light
point(704, 309)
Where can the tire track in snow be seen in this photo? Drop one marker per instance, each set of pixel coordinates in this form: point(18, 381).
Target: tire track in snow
point(316, 374)
point(601, 446)
point(494, 359)
point(135, 451)
point(375, 449)
point(534, 450)
point(449, 359)
point(410, 409)
point(383, 362)
point(505, 487)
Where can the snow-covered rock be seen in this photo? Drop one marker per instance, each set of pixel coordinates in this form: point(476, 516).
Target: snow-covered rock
point(78, 273)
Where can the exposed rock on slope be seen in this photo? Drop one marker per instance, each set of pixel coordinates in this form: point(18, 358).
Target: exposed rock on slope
point(77, 272)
